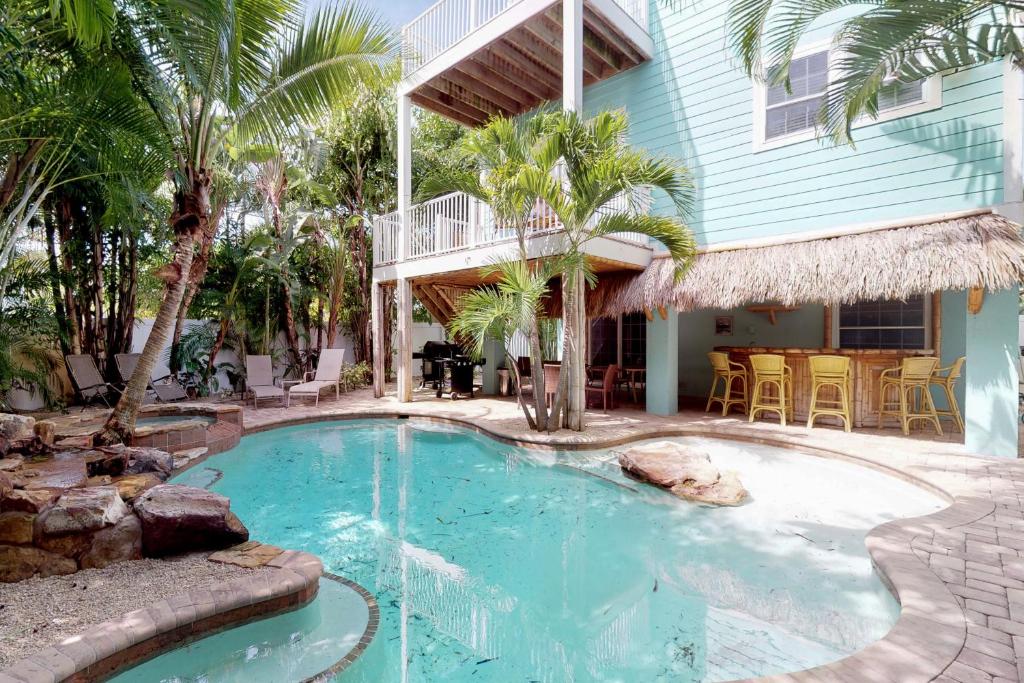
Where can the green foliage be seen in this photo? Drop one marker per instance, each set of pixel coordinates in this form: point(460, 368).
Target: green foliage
point(890, 39)
point(356, 375)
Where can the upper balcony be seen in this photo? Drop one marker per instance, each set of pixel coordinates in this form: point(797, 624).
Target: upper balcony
point(469, 60)
point(451, 237)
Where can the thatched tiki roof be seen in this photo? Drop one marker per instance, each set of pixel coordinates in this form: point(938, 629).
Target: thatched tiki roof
point(982, 250)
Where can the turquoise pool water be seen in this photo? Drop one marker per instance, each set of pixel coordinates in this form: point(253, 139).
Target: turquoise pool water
point(289, 647)
point(494, 563)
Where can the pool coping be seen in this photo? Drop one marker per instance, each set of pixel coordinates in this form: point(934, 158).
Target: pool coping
point(931, 631)
point(372, 623)
point(114, 645)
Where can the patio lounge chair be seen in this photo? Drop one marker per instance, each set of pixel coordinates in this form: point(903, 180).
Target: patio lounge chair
point(89, 383)
point(259, 379)
point(166, 389)
point(328, 374)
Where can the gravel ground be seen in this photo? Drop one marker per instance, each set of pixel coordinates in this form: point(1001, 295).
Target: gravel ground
point(40, 612)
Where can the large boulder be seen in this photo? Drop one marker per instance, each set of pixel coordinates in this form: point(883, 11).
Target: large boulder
point(118, 543)
point(131, 486)
point(149, 461)
point(34, 501)
point(177, 519)
point(17, 427)
point(105, 461)
point(16, 527)
point(81, 510)
point(6, 485)
point(21, 562)
point(687, 472)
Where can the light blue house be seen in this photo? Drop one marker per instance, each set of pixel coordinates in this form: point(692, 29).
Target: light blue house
point(870, 249)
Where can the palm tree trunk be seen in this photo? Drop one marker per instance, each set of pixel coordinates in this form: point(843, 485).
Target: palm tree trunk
point(574, 365)
point(121, 424)
point(537, 368)
point(518, 380)
point(218, 344)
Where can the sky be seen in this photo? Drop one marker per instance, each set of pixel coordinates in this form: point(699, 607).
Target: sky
point(398, 12)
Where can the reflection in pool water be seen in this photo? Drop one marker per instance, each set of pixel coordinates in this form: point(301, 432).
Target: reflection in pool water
point(496, 563)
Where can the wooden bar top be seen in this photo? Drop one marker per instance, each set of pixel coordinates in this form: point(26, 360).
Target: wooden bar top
point(865, 367)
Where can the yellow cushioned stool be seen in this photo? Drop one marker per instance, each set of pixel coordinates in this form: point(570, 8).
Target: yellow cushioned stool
point(771, 373)
point(831, 373)
point(727, 371)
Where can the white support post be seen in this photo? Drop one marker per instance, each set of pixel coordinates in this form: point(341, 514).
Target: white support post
point(404, 175)
point(572, 55)
point(377, 326)
point(404, 292)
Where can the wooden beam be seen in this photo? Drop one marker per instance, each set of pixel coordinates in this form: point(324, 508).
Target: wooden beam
point(497, 81)
point(606, 60)
point(447, 112)
point(510, 56)
point(473, 110)
point(601, 28)
point(480, 85)
point(444, 110)
point(550, 34)
point(539, 79)
point(419, 291)
point(470, 96)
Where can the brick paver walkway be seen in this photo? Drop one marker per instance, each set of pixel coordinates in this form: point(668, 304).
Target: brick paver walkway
point(958, 574)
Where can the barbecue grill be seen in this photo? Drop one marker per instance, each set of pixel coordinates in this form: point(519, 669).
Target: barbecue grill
point(437, 357)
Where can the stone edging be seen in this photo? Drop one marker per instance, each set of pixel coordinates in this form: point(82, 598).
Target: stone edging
point(931, 630)
point(364, 641)
point(132, 638)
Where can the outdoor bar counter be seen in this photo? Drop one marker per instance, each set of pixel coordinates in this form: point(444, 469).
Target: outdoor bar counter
point(865, 366)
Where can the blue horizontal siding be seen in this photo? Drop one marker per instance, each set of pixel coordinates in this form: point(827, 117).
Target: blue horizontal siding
point(693, 103)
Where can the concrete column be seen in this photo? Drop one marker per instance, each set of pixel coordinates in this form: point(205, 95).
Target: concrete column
point(404, 342)
point(377, 325)
point(572, 55)
point(663, 364)
point(404, 173)
point(494, 353)
point(990, 409)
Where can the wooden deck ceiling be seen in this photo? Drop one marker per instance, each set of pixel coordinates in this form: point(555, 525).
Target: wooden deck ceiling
point(523, 68)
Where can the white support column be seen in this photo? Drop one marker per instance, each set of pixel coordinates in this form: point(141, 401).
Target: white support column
point(377, 326)
point(572, 55)
point(404, 342)
point(404, 174)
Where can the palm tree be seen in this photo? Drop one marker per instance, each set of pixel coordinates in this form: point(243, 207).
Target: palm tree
point(500, 311)
point(594, 183)
point(892, 39)
point(232, 72)
point(491, 166)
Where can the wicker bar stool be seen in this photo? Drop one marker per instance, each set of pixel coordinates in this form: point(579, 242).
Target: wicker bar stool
point(830, 372)
point(913, 400)
point(771, 371)
point(727, 371)
point(946, 378)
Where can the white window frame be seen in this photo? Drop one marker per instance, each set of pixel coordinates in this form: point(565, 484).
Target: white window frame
point(931, 94)
point(928, 325)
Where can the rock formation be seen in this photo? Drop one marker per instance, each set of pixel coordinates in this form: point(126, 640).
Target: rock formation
point(686, 472)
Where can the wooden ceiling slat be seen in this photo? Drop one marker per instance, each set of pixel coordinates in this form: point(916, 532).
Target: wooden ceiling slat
point(480, 84)
point(538, 76)
point(444, 110)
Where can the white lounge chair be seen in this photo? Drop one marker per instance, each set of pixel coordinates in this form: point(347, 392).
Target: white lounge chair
point(259, 379)
point(166, 389)
point(328, 374)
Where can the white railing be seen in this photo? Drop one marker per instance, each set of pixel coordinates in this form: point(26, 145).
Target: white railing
point(447, 22)
point(458, 222)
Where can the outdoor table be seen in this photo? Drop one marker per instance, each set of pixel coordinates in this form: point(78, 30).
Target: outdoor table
point(635, 376)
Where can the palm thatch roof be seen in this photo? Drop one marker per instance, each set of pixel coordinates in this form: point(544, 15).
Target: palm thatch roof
point(982, 250)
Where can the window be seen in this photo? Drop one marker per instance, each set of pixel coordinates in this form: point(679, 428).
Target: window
point(885, 324)
point(634, 340)
point(622, 341)
point(782, 117)
point(604, 341)
point(792, 112)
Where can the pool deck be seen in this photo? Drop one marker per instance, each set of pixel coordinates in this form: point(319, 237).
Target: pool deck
point(958, 573)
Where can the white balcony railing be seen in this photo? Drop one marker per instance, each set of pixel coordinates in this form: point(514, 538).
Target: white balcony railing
point(457, 222)
point(447, 22)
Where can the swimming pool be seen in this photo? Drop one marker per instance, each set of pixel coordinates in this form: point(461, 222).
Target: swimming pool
point(496, 563)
